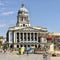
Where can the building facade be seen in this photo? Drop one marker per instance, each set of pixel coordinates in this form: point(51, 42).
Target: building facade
point(53, 38)
point(2, 40)
point(23, 34)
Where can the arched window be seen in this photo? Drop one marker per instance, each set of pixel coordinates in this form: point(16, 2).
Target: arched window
point(23, 24)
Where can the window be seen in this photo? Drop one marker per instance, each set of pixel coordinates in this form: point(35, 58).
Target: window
point(23, 24)
point(25, 18)
point(21, 18)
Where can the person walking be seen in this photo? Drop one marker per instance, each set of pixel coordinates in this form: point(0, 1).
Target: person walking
point(27, 50)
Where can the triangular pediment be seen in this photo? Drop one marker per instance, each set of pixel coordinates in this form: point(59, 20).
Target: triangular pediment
point(28, 28)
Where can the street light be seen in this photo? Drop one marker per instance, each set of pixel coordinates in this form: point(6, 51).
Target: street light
point(46, 56)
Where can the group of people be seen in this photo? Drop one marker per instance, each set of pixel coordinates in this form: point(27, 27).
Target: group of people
point(23, 50)
point(2, 50)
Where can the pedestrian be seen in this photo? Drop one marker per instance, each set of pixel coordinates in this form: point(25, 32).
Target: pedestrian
point(19, 51)
point(44, 56)
point(27, 50)
point(34, 51)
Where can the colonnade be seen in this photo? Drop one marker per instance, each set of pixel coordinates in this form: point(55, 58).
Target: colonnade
point(27, 37)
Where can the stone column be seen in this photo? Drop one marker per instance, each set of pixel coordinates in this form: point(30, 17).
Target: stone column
point(9, 37)
point(37, 37)
point(37, 45)
point(14, 38)
point(34, 37)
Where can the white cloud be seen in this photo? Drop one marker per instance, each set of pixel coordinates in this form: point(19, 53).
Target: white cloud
point(8, 13)
point(2, 25)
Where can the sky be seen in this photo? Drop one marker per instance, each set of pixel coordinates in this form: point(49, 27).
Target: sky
point(45, 13)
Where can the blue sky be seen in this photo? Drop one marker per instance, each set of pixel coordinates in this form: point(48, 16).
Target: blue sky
point(45, 13)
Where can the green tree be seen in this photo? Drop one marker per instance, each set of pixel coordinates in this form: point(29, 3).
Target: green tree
point(5, 46)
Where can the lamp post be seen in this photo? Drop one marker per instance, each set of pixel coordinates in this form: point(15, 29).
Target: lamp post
point(46, 56)
point(54, 46)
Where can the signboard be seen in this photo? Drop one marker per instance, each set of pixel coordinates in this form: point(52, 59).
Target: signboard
point(43, 40)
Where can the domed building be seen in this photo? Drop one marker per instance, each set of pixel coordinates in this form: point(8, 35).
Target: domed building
point(23, 34)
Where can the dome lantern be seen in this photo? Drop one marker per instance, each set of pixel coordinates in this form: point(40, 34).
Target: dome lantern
point(23, 9)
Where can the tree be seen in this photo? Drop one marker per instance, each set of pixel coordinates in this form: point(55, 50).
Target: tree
point(0, 44)
point(5, 46)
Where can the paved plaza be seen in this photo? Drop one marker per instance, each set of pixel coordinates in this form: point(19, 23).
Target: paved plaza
point(24, 57)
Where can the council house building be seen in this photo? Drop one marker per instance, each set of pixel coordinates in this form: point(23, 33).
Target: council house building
point(23, 34)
